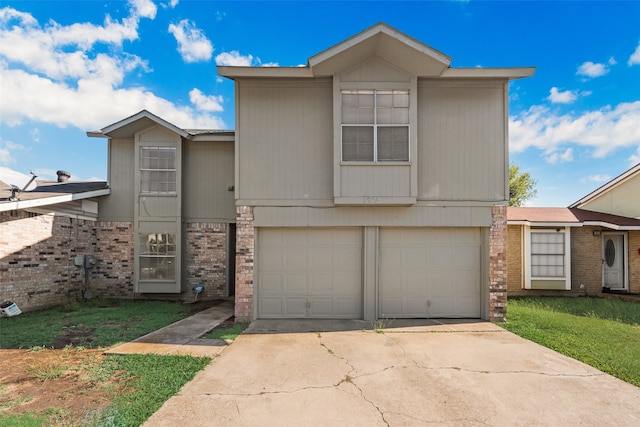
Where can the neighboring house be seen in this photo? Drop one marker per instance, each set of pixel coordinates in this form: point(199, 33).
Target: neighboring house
point(42, 231)
point(593, 246)
point(371, 183)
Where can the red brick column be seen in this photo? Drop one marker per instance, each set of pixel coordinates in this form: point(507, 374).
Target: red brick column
point(498, 264)
point(245, 243)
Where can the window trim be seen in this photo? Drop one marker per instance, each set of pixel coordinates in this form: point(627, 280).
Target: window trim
point(152, 170)
point(527, 253)
point(375, 125)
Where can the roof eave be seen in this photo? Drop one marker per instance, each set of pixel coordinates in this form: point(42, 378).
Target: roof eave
point(233, 72)
point(54, 200)
point(489, 73)
point(604, 188)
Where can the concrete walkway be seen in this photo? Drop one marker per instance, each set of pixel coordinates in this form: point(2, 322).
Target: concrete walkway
point(444, 373)
point(183, 336)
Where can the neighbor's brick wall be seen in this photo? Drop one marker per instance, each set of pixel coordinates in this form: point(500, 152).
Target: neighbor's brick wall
point(515, 268)
point(37, 258)
point(634, 262)
point(245, 245)
point(206, 259)
point(586, 260)
point(498, 264)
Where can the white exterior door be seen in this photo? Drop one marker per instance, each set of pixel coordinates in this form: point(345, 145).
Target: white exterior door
point(309, 272)
point(429, 272)
point(613, 261)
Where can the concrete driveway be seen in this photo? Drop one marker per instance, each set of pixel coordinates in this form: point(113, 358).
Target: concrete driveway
point(459, 374)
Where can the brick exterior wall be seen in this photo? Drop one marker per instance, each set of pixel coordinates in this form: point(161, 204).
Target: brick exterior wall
point(515, 269)
point(206, 259)
point(586, 262)
point(634, 262)
point(245, 245)
point(37, 255)
point(498, 264)
point(37, 258)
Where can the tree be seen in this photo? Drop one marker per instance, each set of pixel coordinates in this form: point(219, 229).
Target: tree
point(521, 186)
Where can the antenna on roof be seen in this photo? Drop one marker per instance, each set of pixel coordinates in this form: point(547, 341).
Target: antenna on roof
point(14, 189)
point(33, 177)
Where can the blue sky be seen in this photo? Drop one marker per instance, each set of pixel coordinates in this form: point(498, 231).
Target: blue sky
point(67, 67)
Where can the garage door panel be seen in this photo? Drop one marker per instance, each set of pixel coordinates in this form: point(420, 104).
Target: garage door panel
point(270, 307)
point(436, 275)
point(320, 269)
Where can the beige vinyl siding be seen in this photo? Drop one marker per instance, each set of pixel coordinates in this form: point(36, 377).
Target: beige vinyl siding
point(207, 177)
point(375, 70)
point(285, 141)
point(621, 200)
point(417, 216)
point(119, 205)
point(462, 140)
point(366, 180)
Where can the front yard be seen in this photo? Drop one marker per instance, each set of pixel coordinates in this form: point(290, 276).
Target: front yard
point(603, 333)
point(53, 372)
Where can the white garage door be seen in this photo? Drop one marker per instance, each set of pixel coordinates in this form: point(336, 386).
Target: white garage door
point(309, 272)
point(429, 272)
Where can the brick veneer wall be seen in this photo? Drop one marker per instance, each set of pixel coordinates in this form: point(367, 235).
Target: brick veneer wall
point(586, 260)
point(515, 268)
point(634, 262)
point(37, 258)
point(245, 245)
point(498, 264)
point(112, 277)
point(206, 259)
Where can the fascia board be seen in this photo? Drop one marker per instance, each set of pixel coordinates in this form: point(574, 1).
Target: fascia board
point(545, 224)
point(489, 73)
point(46, 201)
point(606, 187)
point(270, 72)
point(143, 114)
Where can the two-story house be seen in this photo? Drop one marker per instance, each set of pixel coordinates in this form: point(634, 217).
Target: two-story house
point(371, 183)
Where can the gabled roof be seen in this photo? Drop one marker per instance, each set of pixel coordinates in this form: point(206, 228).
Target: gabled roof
point(620, 179)
point(384, 42)
point(568, 217)
point(128, 127)
point(51, 193)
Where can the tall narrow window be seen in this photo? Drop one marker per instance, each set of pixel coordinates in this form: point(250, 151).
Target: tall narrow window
point(375, 125)
point(547, 254)
point(157, 170)
point(157, 256)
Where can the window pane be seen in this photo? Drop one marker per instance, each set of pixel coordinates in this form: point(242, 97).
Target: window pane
point(393, 143)
point(157, 170)
point(547, 254)
point(357, 143)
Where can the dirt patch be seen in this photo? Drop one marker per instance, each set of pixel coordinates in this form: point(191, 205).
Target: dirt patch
point(227, 324)
point(63, 383)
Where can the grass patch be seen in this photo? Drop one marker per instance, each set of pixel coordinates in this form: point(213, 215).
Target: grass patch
point(228, 334)
point(98, 323)
point(149, 380)
point(23, 420)
point(603, 333)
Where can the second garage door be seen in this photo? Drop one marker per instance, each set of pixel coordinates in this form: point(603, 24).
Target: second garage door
point(310, 272)
point(429, 272)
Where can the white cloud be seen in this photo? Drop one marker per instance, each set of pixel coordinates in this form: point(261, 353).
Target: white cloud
point(235, 59)
point(144, 8)
point(193, 44)
point(171, 4)
point(596, 178)
point(203, 102)
point(6, 149)
point(592, 70)
point(558, 97)
point(634, 59)
point(556, 157)
point(603, 130)
point(51, 74)
point(634, 159)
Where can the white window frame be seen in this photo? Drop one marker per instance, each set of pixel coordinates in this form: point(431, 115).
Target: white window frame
point(375, 125)
point(168, 256)
point(151, 171)
point(529, 278)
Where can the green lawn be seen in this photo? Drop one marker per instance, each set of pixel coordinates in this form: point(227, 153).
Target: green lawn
point(603, 333)
point(98, 323)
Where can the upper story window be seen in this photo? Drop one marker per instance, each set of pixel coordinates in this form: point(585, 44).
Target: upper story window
point(375, 125)
point(157, 170)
